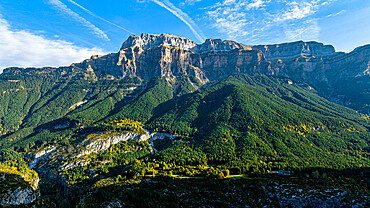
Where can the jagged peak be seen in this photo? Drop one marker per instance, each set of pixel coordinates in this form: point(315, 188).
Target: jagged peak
point(146, 41)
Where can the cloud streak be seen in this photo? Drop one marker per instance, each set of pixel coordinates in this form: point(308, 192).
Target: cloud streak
point(336, 14)
point(62, 8)
point(25, 49)
point(182, 16)
point(98, 17)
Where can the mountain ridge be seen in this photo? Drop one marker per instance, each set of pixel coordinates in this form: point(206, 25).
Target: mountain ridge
point(146, 41)
point(172, 56)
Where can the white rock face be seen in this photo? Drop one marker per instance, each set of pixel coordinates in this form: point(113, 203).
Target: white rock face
point(299, 48)
point(218, 45)
point(147, 41)
point(101, 143)
point(45, 151)
point(40, 155)
point(73, 156)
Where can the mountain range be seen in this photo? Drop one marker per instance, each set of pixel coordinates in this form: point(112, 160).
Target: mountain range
point(164, 105)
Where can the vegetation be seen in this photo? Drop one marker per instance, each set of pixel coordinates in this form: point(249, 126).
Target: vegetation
point(241, 128)
point(30, 176)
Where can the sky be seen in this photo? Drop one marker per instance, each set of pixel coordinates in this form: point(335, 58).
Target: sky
point(41, 33)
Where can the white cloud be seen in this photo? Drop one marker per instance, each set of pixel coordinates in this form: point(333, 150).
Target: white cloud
point(96, 16)
point(64, 9)
point(229, 22)
point(256, 4)
point(182, 16)
point(189, 2)
point(253, 21)
point(233, 17)
point(297, 11)
point(25, 49)
point(336, 14)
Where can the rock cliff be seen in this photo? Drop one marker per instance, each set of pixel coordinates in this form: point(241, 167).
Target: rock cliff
point(291, 50)
point(147, 41)
point(15, 191)
point(68, 157)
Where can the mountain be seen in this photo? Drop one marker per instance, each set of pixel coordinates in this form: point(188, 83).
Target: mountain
point(340, 77)
point(166, 106)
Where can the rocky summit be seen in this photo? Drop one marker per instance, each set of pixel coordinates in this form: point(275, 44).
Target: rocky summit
point(319, 65)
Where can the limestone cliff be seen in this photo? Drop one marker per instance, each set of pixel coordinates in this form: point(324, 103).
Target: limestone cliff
point(291, 50)
point(340, 77)
point(147, 41)
point(158, 61)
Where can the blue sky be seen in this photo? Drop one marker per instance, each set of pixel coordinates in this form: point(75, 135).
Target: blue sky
point(59, 32)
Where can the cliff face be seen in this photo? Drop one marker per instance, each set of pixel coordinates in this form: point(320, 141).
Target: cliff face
point(147, 41)
point(292, 50)
point(163, 61)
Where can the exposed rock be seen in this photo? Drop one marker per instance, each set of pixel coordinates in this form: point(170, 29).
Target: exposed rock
point(147, 41)
point(102, 142)
point(155, 136)
point(14, 191)
point(217, 45)
point(291, 50)
point(135, 62)
point(68, 157)
point(40, 155)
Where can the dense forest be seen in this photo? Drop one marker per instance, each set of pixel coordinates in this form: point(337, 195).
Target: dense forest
point(247, 125)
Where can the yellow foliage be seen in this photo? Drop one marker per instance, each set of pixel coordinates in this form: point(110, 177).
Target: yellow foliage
point(135, 126)
point(27, 174)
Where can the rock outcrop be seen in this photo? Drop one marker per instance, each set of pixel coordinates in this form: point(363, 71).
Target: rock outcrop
point(147, 41)
point(15, 191)
point(217, 45)
point(292, 50)
point(68, 157)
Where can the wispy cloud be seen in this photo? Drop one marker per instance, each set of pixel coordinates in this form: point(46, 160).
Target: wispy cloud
point(297, 11)
point(307, 30)
point(96, 16)
point(25, 49)
point(253, 21)
point(336, 14)
point(61, 7)
point(189, 2)
point(233, 17)
point(182, 16)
